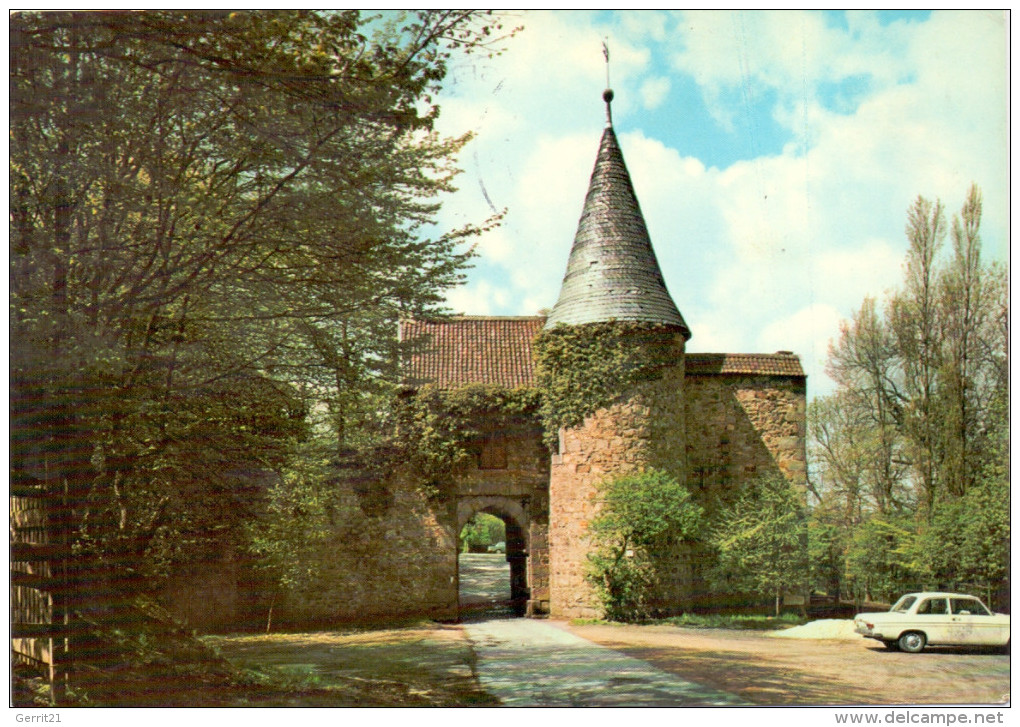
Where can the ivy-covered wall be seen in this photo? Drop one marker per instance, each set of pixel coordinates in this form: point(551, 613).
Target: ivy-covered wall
point(643, 428)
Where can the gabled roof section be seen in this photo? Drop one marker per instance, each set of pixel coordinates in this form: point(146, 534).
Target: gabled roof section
point(612, 272)
point(471, 350)
point(760, 364)
point(497, 350)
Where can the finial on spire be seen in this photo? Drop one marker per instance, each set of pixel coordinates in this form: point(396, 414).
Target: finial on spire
point(607, 95)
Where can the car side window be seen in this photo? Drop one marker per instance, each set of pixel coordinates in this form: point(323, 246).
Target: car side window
point(968, 607)
point(933, 606)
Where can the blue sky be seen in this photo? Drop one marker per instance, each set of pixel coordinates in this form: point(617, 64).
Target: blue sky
point(774, 153)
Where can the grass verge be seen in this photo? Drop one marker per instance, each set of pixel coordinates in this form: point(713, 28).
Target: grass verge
point(749, 622)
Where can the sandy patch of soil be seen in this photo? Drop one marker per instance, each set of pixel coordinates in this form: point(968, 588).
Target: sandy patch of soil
point(827, 628)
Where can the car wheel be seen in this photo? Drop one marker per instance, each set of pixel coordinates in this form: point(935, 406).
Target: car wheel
point(891, 645)
point(912, 642)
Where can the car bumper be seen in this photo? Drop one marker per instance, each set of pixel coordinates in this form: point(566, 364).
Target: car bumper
point(868, 633)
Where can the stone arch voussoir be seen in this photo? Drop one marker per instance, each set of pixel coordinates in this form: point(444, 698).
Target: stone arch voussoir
point(493, 504)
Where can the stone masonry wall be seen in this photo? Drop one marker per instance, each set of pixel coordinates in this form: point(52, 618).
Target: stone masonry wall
point(715, 431)
point(644, 430)
point(369, 568)
point(521, 490)
point(385, 562)
point(404, 562)
point(741, 426)
point(378, 568)
point(712, 431)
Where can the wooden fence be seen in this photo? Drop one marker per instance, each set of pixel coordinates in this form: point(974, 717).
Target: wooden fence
point(38, 564)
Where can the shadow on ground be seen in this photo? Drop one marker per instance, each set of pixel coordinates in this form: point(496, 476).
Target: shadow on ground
point(759, 684)
point(426, 667)
point(484, 587)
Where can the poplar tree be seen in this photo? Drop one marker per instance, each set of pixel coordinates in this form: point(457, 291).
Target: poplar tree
point(912, 433)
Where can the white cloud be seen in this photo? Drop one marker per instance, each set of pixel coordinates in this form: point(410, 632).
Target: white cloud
point(480, 298)
point(653, 92)
point(807, 333)
point(767, 253)
point(644, 23)
point(787, 51)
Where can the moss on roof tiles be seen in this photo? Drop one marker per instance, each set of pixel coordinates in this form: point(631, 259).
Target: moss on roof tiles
point(612, 272)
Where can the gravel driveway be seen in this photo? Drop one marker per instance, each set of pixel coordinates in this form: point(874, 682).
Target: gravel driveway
point(776, 671)
point(530, 663)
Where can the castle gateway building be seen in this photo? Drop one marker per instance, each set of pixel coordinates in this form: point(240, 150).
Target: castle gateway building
point(713, 420)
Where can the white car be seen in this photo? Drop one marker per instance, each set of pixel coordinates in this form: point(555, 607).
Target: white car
point(919, 619)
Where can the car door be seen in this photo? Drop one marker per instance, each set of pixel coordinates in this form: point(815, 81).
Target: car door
point(932, 617)
point(971, 623)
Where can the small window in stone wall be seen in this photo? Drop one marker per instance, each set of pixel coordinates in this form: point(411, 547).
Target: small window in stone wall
point(493, 456)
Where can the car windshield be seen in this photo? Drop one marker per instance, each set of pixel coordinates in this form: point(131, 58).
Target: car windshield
point(903, 605)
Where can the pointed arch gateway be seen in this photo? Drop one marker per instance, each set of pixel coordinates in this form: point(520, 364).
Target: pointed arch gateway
point(514, 514)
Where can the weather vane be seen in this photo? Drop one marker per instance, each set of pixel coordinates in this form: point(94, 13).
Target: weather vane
point(607, 95)
point(605, 54)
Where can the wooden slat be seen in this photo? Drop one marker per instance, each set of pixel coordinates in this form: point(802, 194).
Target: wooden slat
point(37, 630)
point(34, 580)
point(34, 552)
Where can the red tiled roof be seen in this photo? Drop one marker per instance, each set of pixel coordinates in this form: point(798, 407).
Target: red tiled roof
point(761, 364)
point(471, 350)
point(498, 350)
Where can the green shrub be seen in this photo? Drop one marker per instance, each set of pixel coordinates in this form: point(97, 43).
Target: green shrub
point(762, 539)
point(644, 518)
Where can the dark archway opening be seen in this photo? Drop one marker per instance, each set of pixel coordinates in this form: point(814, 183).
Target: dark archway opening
point(492, 574)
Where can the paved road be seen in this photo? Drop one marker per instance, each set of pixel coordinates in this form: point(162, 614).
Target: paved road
point(529, 663)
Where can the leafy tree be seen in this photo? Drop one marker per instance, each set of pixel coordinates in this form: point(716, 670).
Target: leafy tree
point(645, 519)
point(217, 219)
point(915, 324)
point(827, 546)
point(973, 299)
point(302, 509)
point(481, 531)
point(762, 539)
point(858, 428)
point(906, 444)
point(967, 543)
point(883, 559)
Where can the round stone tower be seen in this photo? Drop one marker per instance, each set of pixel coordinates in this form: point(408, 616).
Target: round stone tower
point(612, 276)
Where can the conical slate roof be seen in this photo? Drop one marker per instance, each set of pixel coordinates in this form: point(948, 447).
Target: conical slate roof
point(612, 273)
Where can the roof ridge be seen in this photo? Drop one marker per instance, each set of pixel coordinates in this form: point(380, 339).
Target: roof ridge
point(497, 318)
point(779, 354)
point(465, 317)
